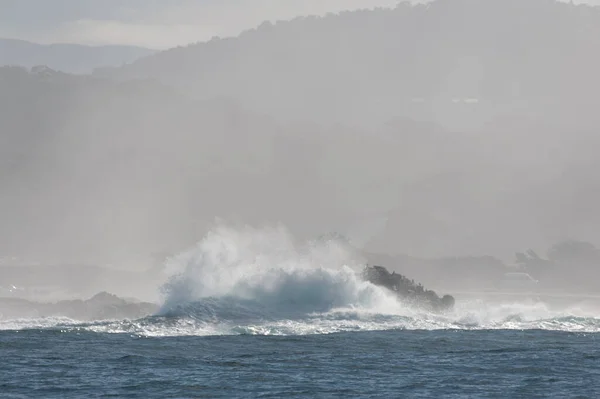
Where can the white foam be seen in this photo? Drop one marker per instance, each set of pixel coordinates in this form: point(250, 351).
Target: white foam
point(37, 323)
point(265, 266)
point(257, 281)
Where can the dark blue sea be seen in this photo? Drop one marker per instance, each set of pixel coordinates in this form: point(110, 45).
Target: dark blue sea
point(54, 363)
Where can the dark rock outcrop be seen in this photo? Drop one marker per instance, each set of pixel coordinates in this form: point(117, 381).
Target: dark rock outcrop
point(407, 290)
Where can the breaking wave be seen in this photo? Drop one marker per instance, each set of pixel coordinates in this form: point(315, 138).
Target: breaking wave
point(258, 281)
point(247, 274)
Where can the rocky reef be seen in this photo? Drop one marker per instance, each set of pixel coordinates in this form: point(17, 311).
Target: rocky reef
point(102, 306)
point(407, 290)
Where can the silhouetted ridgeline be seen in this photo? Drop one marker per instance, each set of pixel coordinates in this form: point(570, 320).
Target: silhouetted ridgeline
point(134, 166)
point(97, 170)
point(88, 164)
point(570, 266)
point(73, 58)
point(457, 62)
point(94, 168)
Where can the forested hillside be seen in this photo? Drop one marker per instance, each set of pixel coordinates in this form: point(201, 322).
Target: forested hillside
point(91, 166)
point(460, 63)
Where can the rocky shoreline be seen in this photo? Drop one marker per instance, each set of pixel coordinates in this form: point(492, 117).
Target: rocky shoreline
point(102, 306)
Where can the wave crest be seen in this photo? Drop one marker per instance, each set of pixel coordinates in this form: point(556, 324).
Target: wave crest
point(258, 281)
point(267, 270)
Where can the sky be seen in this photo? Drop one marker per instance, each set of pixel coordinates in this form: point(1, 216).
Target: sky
point(157, 24)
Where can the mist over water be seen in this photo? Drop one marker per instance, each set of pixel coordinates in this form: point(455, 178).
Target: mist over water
point(365, 202)
point(247, 280)
point(429, 130)
point(448, 149)
point(264, 264)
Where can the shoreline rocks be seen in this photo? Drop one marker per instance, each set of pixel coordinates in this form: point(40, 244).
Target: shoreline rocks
point(408, 290)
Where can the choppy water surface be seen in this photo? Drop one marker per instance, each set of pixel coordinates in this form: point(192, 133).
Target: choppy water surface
point(248, 315)
point(481, 363)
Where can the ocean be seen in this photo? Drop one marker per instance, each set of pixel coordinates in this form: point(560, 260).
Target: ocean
point(250, 314)
point(76, 363)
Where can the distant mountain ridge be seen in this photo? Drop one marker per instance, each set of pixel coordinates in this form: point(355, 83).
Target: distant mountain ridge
point(135, 166)
point(71, 58)
point(449, 61)
point(102, 306)
point(93, 167)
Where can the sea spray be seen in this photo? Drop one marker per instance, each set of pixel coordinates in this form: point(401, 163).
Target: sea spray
point(264, 268)
point(259, 281)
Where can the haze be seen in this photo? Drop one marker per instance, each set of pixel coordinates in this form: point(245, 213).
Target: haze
point(153, 24)
point(448, 138)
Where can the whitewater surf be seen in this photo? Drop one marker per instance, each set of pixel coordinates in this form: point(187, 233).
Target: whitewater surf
point(259, 281)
